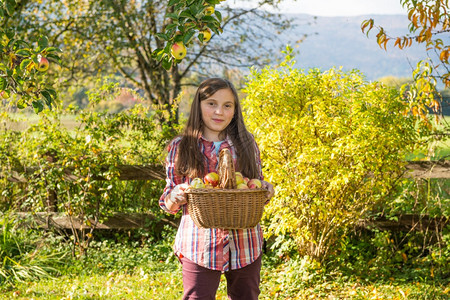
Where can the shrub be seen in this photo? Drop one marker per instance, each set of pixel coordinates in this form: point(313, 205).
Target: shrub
point(91, 151)
point(331, 143)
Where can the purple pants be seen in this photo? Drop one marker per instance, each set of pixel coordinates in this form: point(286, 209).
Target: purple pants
point(202, 283)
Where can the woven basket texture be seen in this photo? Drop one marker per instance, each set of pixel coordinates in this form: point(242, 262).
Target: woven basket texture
point(226, 207)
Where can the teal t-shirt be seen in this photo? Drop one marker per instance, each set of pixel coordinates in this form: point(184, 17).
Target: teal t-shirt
point(217, 145)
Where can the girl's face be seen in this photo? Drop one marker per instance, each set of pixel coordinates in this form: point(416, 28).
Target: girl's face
point(217, 113)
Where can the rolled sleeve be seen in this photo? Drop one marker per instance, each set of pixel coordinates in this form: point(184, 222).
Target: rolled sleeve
point(172, 179)
point(258, 161)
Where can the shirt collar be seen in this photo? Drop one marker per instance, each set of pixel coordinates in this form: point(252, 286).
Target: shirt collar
point(227, 139)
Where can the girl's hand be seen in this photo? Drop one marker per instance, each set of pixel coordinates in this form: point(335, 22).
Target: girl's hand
point(269, 187)
point(177, 197)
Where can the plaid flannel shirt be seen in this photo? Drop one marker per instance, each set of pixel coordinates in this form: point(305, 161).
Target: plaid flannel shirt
point(212, 248)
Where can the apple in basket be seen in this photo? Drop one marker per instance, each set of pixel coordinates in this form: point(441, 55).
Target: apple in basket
point(242, 186)
point(197, 183)
point(239, 178)
point(254, 183)
point(212, 178)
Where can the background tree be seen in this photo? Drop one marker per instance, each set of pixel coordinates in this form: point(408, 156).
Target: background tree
point(429, 25)
point(110, 37)
point(24, 64)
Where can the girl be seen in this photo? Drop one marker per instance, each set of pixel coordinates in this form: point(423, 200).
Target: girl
point(215, 123)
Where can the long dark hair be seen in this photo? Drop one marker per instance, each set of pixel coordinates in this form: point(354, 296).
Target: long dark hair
point(190, 161)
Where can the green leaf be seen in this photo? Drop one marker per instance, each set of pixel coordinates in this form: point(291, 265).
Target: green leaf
point(11, 43)
point(48, 102)
point(173, 2)
point(197, 10)
point(187, 14)
point(51, 91)
point(21, 44)
point(3, 83)
point(167, 63)
point(43, 42)
point(218, 15)
point(54, 57)
point(171, 26)
point(160, 55)
point(216, 30)
point(162, 36)
point(172, 16)
point(208, 19)
point(10, 33)
point(23, 52)
point(47, 95)
point(157, 52)
point(37, 106)
point(188, 36)
point(24, 64)
point(10, 5)
point(53, 49)
point(21, 104)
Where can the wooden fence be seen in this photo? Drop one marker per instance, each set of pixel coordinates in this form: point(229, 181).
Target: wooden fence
point(416, 169)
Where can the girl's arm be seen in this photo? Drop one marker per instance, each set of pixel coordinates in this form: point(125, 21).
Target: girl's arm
point(264, 184)
point(172, 198)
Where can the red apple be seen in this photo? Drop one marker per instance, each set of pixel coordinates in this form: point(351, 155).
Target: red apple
point(43, 64)
point(4, 95)
point(212, 178)
point(178, 50)
point(254, 183)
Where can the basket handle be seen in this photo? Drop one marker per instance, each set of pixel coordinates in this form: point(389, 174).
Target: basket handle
point(227, 175)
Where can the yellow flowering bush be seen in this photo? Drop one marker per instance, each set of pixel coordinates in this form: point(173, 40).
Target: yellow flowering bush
point(332, 144)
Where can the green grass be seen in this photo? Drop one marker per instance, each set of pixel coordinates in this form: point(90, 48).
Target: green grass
point(138, 265)
point(166, 283)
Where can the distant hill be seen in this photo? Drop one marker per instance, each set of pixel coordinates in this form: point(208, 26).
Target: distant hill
point(339, 41)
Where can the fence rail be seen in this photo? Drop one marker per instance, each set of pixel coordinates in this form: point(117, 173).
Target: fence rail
point(413, 169)
point(428, 169)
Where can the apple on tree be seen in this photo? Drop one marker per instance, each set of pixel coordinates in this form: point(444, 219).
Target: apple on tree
point(43, 64)
point(206, 35)
point(209, 10)
point(4, 95)
point(178, 50)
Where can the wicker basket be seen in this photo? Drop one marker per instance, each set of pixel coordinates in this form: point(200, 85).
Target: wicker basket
point(227, 208)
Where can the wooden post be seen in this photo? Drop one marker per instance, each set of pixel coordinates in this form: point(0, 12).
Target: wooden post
point(52, 199)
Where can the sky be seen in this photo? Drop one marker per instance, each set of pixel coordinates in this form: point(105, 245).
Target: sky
point(345, 8)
